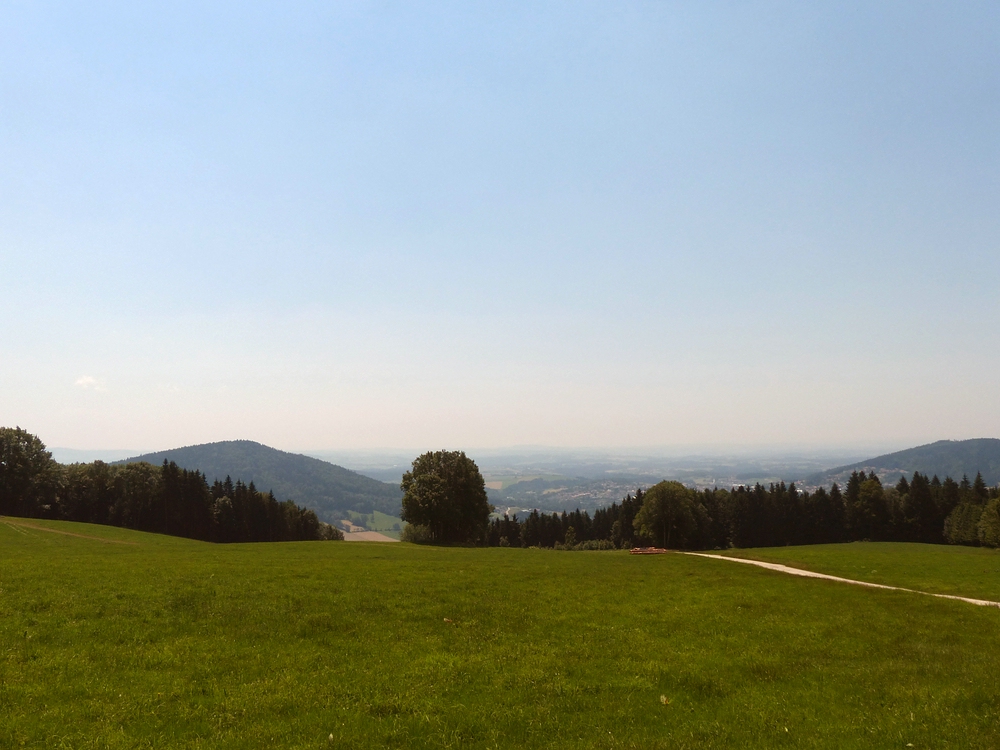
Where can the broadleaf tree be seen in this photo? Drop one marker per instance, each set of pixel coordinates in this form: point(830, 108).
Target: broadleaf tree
point(444, 492)
point(668, 515)
point(29, 477)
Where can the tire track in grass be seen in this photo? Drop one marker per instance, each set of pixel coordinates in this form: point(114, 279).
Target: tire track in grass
point(19, 525)
point(810, 574)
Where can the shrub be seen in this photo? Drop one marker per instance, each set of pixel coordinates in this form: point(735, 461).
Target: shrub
point(596, 544)
point(590, 544)
point(962, 526)
point(330, 533)
point(417, 534)
point(989, 524)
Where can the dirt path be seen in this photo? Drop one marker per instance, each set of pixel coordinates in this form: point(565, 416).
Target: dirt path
point(810, 574)
point(17, 523)
point(367, 536)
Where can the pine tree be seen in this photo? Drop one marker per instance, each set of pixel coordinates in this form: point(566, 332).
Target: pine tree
point(979, 490)
point(920, 511)
point(902, 486)
point(839, 512)
point(852, 500)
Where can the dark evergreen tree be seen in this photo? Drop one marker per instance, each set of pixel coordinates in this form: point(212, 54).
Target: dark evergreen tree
point(920, 511)
point(873, 513)
point(852, 505)
point(902, 486)
point(979, 489)
point(838, 511)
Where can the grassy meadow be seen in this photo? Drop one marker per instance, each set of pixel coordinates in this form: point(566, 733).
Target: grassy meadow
point(142, 641)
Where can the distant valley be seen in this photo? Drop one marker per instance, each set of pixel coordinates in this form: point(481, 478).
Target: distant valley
point(553, 480)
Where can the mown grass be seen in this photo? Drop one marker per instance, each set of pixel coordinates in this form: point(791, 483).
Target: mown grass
point(171, 643)
point(963, 571)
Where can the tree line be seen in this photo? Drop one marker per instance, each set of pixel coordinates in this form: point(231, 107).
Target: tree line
point(921, 509)
point(162, 499)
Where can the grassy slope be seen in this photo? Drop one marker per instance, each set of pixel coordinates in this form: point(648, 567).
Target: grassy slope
point(964, 571)
point(184, 644)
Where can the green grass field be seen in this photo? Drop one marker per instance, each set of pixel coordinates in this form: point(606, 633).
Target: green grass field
point(172, 643)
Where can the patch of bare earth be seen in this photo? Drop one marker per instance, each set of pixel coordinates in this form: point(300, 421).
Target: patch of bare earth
point(367, 536)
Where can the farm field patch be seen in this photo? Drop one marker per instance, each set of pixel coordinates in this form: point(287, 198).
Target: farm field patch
point(378, 521)
point(505, 481)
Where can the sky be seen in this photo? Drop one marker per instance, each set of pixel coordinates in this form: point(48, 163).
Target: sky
point(363, 225)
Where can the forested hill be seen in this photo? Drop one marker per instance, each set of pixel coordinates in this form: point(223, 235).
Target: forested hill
point(954, 458)
point(327, 489)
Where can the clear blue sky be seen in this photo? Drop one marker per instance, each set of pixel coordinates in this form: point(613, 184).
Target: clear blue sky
point(359, 225)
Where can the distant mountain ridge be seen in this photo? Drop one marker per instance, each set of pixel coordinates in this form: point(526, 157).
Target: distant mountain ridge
point(953, 458)
point(326, 488)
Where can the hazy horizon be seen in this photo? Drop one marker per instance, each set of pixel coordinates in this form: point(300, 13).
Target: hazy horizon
point(446, 225)
point(373, 456)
